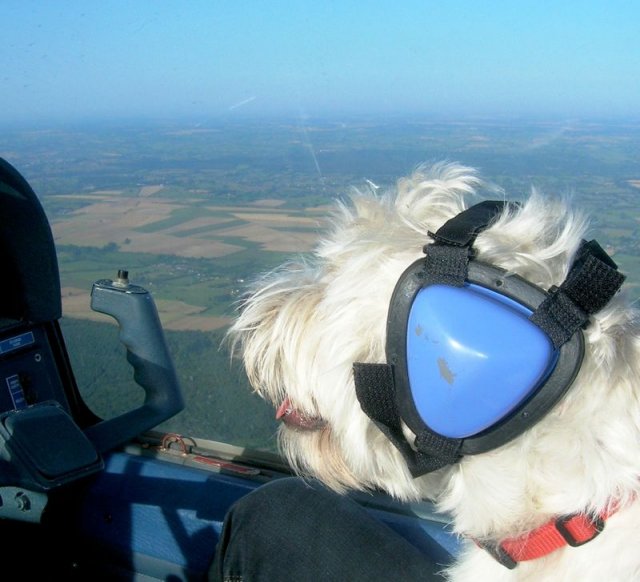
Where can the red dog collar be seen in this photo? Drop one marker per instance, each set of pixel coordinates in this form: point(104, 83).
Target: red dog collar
point(571, 530)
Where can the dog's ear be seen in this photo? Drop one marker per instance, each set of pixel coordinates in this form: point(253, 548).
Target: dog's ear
point(422, 202)
point(536, 240)
point(434, 194)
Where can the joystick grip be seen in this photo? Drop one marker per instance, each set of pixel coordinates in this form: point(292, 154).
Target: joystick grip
point(141, 333)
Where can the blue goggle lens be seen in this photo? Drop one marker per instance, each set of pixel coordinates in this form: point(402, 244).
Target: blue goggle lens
point(473, 357)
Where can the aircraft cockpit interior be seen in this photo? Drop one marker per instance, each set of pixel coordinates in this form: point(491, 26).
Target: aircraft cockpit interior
point(89, 498)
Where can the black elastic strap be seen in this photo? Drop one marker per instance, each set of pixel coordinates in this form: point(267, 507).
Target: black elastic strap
point(448, 256)
point(591, 283)
point(462, 229)
point(375, 390)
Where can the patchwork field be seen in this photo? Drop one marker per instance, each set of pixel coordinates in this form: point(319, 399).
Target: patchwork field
point(185, 229)
point(181, 248)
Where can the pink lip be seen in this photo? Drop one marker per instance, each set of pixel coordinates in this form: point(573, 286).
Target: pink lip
point(296, 419)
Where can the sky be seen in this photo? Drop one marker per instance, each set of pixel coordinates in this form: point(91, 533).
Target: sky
point(122, 59)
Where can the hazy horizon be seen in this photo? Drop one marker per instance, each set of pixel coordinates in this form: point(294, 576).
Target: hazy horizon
point(215, 122)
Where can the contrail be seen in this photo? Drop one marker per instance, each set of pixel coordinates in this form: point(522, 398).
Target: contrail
point(312, 151)
point(243, 102)
point(307, 143)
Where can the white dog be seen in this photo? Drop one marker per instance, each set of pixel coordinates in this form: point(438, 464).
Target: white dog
point(570, 473)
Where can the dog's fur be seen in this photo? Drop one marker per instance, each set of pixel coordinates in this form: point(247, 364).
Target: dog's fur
point(303, 326)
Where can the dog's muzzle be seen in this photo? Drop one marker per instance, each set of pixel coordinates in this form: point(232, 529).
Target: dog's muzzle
point(476, 356)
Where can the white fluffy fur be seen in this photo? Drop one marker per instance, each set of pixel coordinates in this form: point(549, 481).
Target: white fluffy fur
point(304, 325)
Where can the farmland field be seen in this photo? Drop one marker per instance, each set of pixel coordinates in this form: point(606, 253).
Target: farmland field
point(178, 228)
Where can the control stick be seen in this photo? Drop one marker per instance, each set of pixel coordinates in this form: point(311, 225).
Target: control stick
point(141, 333)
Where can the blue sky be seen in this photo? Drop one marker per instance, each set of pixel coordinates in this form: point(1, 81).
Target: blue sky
point(197, 59)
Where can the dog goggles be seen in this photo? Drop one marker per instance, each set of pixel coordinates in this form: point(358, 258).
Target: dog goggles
point(476, 356)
